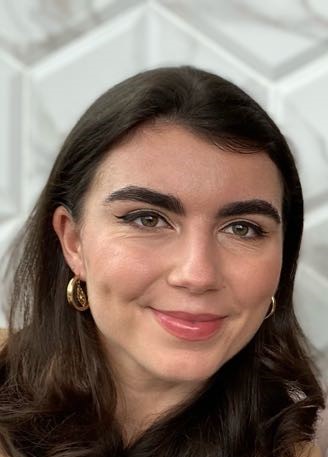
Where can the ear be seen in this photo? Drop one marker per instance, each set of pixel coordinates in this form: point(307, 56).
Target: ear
point(69, 236)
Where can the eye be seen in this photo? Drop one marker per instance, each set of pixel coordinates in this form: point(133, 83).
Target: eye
point(147, 219)
point(244, 229)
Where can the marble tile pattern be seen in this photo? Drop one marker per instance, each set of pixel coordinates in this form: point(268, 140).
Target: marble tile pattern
point(56, 56)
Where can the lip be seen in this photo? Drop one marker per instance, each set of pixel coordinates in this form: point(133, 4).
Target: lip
point(188, 326)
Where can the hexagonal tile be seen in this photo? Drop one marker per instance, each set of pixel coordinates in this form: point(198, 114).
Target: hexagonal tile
point(258, 32)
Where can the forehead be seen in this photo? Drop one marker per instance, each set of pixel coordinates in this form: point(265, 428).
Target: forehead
point(171, 159)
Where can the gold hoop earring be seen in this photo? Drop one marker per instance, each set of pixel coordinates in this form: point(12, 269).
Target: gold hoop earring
point(273, 308)
point(76, 296)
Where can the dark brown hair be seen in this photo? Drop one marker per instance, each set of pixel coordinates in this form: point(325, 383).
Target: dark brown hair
point(57, 397)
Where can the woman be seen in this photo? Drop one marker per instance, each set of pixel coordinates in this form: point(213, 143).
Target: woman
point(151, 311)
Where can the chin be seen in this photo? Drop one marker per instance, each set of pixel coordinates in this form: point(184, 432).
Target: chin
point(195, 373)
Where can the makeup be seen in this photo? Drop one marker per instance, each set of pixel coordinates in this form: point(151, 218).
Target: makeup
point(192, 327)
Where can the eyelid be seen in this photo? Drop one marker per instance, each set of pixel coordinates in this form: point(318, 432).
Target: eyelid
point(258, 229)
point(131, 216)
point(245, 221)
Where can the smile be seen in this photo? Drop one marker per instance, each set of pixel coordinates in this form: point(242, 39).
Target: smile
point(186, 326)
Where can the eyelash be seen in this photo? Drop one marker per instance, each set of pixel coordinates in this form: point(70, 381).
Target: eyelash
point(130, 218)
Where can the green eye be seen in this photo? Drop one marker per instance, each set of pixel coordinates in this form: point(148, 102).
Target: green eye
point(149, 221)
point(145, 219)
point(245, 230)
point(240, 229)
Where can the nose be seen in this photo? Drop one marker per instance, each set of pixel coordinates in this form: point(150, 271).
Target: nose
point(196, 265)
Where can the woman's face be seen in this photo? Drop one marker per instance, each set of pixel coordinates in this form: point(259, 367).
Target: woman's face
point(180, 246)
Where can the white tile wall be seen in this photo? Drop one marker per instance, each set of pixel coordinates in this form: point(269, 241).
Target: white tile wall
point(57, 56)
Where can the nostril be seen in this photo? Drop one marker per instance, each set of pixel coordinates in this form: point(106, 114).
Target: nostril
point(194, 264)
point(196, 281)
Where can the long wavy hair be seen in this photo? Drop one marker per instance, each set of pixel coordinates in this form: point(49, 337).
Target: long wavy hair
point(57, 396)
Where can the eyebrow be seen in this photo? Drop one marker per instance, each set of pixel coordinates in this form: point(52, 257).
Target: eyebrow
point(171, 203)
point(143, 194)
point(255, 206)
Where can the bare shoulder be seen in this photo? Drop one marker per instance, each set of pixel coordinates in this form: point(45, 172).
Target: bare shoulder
point(309, 450)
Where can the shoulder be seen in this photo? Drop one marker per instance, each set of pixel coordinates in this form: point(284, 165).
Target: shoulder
point(309, 450)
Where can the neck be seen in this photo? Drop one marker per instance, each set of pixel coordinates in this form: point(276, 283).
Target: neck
point(143, 401)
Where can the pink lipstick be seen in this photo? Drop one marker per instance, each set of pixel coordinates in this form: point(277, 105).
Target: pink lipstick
point(187, 326)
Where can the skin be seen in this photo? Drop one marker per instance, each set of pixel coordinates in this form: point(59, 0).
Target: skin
point(309, 450)
point(194, 262)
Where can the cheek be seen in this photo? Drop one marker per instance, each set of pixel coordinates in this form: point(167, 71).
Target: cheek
point(252, 283)
point(255, 279)
point(119, 268)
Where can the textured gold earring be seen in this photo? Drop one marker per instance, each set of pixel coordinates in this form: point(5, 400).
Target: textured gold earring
point(76, 296)
point(272, 308)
